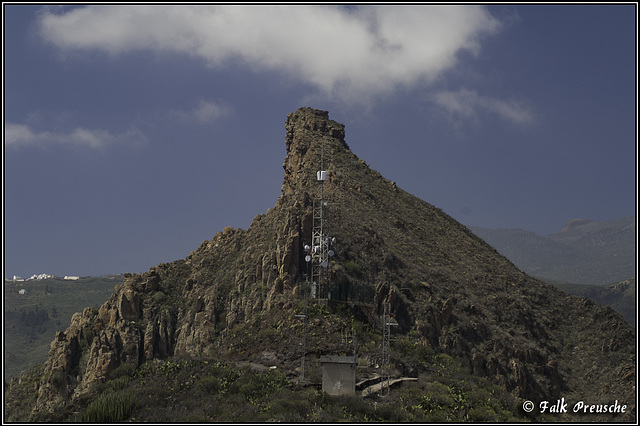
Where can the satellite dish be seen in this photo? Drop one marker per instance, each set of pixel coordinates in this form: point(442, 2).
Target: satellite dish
point(333, 240)
point(331, 253)
point(307, 258)
point(306, 247)
point(325, 264)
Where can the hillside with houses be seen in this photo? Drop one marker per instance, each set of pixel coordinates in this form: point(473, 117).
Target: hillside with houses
point(41, 277)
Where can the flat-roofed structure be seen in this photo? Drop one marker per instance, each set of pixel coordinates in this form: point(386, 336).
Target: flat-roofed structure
point(339, 374)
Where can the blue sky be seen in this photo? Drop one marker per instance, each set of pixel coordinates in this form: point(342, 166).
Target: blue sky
point(132, 134)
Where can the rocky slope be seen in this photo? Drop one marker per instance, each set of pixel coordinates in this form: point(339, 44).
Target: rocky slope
point(448, 289)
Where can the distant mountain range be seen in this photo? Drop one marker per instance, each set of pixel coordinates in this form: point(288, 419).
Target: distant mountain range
point(621, 296)
point(583, 252)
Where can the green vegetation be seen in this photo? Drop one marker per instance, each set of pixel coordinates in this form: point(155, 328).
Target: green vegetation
point(207, 390)
point(20, 402)
point(110, 407)
point(210, 389)
point(31, 320)
point(352, 268)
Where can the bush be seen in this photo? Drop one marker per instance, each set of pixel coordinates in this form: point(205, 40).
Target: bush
point(209, 384)
point(288, 408)
point(123, 370)
point(258, 385)
point(482, 414)
point(414, 349)
point(353, 269)
point(58, 378)
point(110, 407)
point(159, 297)
point(21, 395)
point(119, 383)
point(352, 407)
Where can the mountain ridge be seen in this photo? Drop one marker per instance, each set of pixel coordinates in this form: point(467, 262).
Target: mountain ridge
point(584, 251)
point(621, 296)
point(448, 289)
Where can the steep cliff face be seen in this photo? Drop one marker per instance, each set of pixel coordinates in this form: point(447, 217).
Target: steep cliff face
point(447, 288)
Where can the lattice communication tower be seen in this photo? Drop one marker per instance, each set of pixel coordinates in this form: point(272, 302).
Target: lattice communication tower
point(321, 244)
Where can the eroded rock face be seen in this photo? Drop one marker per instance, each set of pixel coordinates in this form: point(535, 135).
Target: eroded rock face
point(62, 366)
point(127, 329)
point(308, 132)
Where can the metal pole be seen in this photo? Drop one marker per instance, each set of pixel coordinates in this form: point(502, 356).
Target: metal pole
point(385, 346)
point(304, 327)
point(307, 258)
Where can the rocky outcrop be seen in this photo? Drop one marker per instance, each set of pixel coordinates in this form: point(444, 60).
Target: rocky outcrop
point(310, 137)
point(454, 292)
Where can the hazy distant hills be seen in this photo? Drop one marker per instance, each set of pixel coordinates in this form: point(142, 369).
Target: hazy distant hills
point(584, 251)
point(621, 296)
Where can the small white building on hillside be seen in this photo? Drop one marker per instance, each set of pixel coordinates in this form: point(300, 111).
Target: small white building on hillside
point(71, 277)
point(41, 277)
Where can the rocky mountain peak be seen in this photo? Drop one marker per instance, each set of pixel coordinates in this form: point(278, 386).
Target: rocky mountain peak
point(307, 125)
point(311, 136)
point(449, 291)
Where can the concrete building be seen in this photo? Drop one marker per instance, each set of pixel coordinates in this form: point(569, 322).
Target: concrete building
point(339, 374)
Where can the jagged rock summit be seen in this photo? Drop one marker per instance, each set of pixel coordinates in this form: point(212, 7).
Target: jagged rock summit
point(448, 289)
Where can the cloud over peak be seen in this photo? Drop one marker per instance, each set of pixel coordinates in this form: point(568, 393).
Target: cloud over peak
point(344, 52)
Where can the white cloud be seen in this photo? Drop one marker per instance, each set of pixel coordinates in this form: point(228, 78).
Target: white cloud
point(17, 135)
point(348, 53)
point(467, 104)
point(204, 112)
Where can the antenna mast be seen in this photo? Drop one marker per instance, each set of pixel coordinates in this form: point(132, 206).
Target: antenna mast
point(320, 243)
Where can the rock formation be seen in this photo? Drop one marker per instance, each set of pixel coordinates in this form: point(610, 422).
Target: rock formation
point(446, 286)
